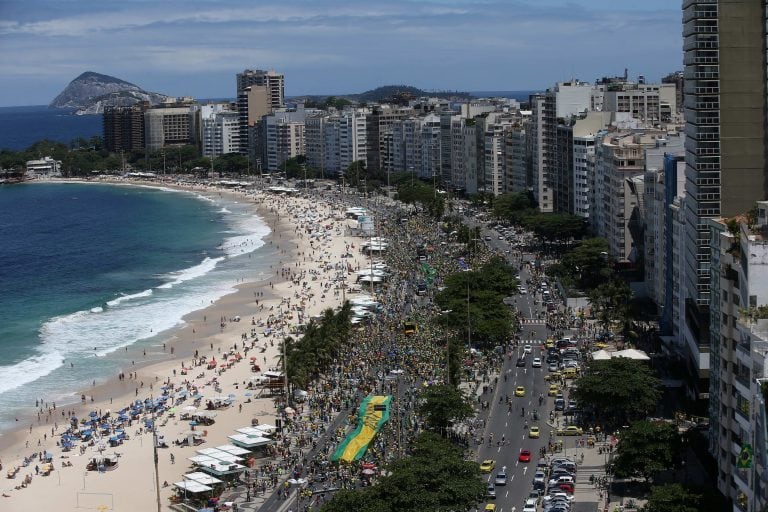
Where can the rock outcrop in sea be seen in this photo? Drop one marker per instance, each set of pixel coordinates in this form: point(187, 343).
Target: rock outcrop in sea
point(90, 92)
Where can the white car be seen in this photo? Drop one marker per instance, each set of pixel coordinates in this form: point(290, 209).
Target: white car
point(536, 362)
point(527, 349)
point(530, 506)
point(522, 290)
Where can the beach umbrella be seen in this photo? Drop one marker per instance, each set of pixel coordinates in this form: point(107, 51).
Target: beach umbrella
point(190, 408)
point(93, 414)
point(249, 394)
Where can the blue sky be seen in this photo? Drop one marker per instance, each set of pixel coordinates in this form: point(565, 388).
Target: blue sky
point(194, 47)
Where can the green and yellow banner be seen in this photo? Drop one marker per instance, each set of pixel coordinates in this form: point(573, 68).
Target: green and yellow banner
point(374, 412)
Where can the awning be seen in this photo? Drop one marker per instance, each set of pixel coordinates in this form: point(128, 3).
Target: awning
point(191, 486)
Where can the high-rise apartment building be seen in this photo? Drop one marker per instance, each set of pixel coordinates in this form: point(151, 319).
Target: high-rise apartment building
point(379, 135)
point(273, 81)
point(172, 124)
point(283, 137)
point(124, 127)
point(725, 117)
point(620, 160)
point(739, 324)
point(220, 130)
point(259, 93)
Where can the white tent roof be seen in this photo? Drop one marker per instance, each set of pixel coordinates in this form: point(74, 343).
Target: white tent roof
point(601, 355)
point(191, 486)
point(266, 429)
point(234, 450)
point(215, 466)
point(249, 441)
point(219, 454)
point(632, 353)
point(202, 478)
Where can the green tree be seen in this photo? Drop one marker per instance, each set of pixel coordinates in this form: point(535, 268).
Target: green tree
point(319, 346)
point(680, 498)
point(355, 173)
point(426, 195)
point(610, 302)
point(555, 226)
point(586, 265)
point(442, 405)
point(510, 206)
point(474, 305)
point(646, 449)
point(617, 391)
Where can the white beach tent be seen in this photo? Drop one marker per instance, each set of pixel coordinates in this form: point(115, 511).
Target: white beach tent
point(249, 441)
point(601, 355)
point(192, 486)
point(234, 450)
point(632, 353)
point(202, 478)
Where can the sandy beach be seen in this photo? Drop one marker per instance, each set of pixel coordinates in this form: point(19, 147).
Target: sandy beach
point(310, 235)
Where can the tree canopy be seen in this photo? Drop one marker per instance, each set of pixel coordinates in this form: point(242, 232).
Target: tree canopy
point(435, 477)
point(318, 347)
point(610, 302)
point(617, 391)
point(474, 300)
point(442, 405)
point(426, 195)
point(585, 266)
point(521, 208)
point(682, 498)
point(646, 449)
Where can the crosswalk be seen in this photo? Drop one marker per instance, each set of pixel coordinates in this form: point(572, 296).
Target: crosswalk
point(535, 321)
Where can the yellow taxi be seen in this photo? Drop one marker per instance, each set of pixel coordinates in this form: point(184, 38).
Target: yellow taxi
point(491, 507)
point(519, 391)
point(487, 465)
point(553, 376)
point(554, 389)
point(550, 343)
point(534, 432)
point(570, 430)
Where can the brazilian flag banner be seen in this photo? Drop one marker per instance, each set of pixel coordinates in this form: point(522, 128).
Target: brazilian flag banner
point(745, 457)
point(373, 414)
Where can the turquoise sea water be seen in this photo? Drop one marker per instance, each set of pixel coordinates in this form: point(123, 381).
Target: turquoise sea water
point(87, 269)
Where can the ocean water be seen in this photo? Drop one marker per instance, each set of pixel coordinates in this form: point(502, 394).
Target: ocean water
point(87, 269)
point(20, 127)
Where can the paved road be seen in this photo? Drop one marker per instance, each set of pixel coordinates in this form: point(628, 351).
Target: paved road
point(511, 424)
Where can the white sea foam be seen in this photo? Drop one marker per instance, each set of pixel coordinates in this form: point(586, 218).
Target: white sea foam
point(130, 318)
point(29, 370)
point(190, 273)
point(254, 230)
point(124, 298)
point(224, 210)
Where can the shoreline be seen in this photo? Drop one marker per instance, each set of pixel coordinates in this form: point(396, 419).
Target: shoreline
point(110, 387)
point(201, 336)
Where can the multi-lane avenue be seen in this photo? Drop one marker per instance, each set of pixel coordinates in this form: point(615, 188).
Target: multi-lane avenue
point(510, 417)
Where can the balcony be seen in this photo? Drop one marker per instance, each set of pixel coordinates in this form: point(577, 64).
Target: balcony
point(707, 90)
